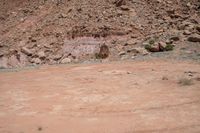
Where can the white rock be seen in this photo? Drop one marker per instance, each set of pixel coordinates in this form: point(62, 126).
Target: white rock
point(66, 60)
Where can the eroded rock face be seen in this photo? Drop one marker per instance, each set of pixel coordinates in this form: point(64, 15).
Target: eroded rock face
point(81, 47)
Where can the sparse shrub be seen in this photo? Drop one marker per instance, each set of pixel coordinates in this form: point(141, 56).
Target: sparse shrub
point(169, 47)
point(147, 47)
point(97, 56)
point(185, 82)
point(1, 67)
point(151, 42)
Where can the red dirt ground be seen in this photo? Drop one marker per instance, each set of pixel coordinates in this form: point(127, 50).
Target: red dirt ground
point(116, 97)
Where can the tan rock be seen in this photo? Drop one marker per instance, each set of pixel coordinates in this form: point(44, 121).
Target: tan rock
point(66, 60)
point(26, 51)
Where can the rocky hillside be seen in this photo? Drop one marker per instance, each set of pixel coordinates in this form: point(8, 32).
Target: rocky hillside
point(51, 32)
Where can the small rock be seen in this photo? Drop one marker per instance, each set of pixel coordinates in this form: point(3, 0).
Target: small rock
point(41, 55)
point(187, 32)
point(184, 25)
point(26, 51)
point(124, 8)
point(190, 75)
point(130, 42)
point(133, 57)
point(145, 43)
point(168, 41)
point(122, 53)
point(36, 61)
point(139, 50)
point(57, 57)
point(171, 12)
point(62, 15)
point(66, 60)
point(194, 38)
point(175, 38)
point(162, 46)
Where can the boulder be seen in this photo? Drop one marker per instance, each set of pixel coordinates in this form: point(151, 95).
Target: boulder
point(194, 38)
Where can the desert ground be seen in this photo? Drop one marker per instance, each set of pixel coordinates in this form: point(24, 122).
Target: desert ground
point(117, 97)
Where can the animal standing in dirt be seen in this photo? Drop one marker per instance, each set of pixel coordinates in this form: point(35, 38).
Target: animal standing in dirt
point(104, 51)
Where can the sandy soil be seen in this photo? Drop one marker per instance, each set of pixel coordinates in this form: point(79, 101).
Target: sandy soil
point(117, 97)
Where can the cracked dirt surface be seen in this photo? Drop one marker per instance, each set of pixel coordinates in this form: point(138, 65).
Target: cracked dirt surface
point(116, 97)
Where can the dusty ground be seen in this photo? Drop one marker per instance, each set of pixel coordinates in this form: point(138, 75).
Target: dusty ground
point(119, 97)
point(40, 31)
